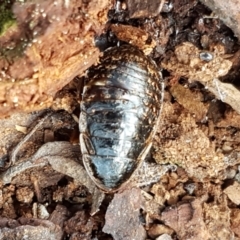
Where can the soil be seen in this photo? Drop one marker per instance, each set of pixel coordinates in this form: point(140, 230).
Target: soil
point(187, 188)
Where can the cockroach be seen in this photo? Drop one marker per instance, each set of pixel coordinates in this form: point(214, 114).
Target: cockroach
point(120, 112)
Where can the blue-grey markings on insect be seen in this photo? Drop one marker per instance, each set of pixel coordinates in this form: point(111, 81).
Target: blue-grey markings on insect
point(120, 112)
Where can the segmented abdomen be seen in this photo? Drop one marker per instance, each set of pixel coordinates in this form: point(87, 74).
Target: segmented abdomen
point(119, 111)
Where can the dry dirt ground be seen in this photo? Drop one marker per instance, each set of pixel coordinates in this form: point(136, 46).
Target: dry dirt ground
point(189, 185)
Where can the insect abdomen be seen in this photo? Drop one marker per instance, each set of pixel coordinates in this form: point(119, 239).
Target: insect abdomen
point(120, 107)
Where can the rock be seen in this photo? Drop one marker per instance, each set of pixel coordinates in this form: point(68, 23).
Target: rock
point(233, 192)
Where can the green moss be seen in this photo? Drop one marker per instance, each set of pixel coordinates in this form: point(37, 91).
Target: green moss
point(7, 19)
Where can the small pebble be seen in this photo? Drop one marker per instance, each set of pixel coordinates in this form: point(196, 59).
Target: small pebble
point(164, 237)
point(206, 56)
point(233, 192)
point(42, 212)
point(237, 177)
point(230, 173)
point(159, 229)
point(190, 188)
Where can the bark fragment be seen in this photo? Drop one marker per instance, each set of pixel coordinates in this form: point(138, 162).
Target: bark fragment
point(122, 217)
point(144, 9)
point(52, 42)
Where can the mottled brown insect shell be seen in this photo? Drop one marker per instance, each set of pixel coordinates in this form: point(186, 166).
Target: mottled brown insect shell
point(120, 111)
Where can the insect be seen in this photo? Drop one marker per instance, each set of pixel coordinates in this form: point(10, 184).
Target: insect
point(120, 111)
